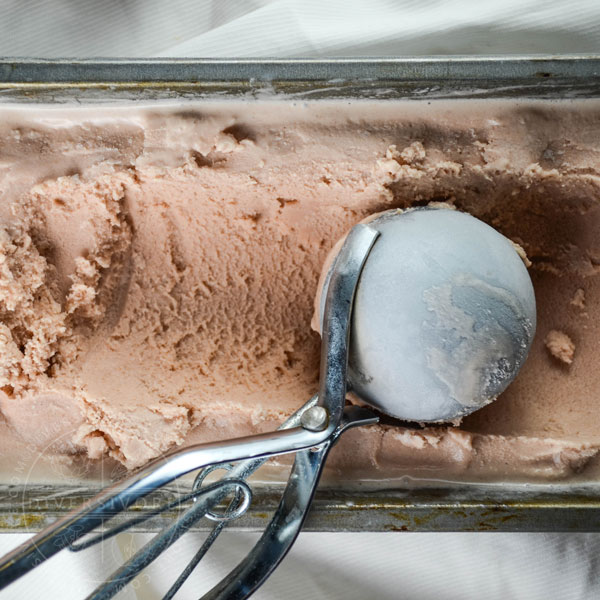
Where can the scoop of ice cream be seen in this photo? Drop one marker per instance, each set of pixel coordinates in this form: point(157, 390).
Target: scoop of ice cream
point(444, 315)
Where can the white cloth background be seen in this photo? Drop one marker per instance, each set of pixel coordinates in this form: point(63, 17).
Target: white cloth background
point(342, 565)
point(309, 28)
point(348, 566)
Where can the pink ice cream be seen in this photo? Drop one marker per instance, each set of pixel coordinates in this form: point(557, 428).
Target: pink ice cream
point(158, 268)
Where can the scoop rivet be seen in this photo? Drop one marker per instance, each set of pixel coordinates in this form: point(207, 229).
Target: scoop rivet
point(315, 418)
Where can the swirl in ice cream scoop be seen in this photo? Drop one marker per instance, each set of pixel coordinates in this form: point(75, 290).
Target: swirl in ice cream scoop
point(444, 315)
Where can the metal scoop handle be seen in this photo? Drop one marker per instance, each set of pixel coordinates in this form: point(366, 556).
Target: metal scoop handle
point(290, 516)
point(120, 496)
point(279, 535)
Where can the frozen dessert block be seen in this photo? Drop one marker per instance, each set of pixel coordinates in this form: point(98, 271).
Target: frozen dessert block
point(158, 267)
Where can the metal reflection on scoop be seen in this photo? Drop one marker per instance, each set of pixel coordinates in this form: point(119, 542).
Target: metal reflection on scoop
point(443, 318)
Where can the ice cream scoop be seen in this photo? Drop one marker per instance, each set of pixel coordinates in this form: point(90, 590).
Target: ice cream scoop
point(427, 315)
point(444, 315)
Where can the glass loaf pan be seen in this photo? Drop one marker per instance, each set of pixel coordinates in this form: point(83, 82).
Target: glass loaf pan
point(401, 506)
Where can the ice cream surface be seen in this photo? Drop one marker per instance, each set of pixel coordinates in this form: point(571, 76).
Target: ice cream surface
point(158, 267)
